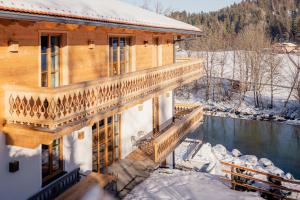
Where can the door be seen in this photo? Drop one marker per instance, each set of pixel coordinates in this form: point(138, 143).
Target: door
point(106, 143)
point(50, 60)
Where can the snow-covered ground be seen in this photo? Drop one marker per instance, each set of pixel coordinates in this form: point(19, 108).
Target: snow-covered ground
point(208, 159)
point(195, 93)
point(199, 178)
point(179, 185)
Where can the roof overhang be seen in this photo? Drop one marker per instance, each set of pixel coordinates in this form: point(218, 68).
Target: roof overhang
point(69, 20)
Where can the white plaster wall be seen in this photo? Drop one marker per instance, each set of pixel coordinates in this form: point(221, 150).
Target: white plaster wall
point(78, 153)
point(25, 182)
point(166, 109)
point(134, 121)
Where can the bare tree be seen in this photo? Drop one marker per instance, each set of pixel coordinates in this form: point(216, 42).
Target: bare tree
point(295, 69)
point(254, 43)
point(156, 6)
point(274, 62)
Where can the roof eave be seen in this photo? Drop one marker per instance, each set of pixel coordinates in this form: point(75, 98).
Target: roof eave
point(68, 20)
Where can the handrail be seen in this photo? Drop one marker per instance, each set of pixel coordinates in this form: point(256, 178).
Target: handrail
point(58, 187)
point(57, 107)
point(256, 189)
point(234, 181)
point(166, 142)
point(260, 172)
point(262, 181)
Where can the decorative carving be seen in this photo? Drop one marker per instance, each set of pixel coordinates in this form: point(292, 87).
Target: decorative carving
point(57, 107)
point(167, 142)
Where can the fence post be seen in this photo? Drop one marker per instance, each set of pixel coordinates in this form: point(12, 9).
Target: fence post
point(232, 178)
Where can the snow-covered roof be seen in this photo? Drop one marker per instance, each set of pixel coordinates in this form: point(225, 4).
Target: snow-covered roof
point(109, 11)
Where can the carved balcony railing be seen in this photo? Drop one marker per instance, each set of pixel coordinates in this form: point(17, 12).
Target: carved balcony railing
point(52, 108)
point(168, 141)
point(165, 143)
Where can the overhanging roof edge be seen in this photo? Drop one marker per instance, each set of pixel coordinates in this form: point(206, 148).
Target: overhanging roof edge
point(67, 20)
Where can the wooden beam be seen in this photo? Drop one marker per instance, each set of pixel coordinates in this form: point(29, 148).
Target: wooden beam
point(90, 28)
point(6, 22)
point(49, 25)
point(27, 138)
point(72, 27)
point(26, 23)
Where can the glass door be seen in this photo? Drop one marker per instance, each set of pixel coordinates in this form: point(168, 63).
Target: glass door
point(106, 143)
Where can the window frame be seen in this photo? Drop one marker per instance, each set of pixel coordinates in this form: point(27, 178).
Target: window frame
point(49, 72)
point(127, 50)
point(106, 142)
point(52, 173)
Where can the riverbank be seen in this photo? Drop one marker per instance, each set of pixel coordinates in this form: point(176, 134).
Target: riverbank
point(248, 113)
point(208, 159)
point(233, 108)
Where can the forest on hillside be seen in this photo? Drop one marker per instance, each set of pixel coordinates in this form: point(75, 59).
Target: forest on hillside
point(280, 17)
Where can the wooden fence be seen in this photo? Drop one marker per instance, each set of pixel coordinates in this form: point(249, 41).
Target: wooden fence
point(271, 187)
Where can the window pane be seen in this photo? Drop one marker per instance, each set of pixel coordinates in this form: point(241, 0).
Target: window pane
point(95, 148)
point(109, 120)
point(55, 79)
point(56, 155)
point(109, 132)
point(44, 44)
point(102, 136)
point(44, 79)
point(54, 62)
point(123, 68)
point(45, 161)
point(94, 127)
point(110, 152)
point(115, 49)
point(44, 62)
point(122, 49)
point(102, 159)
point(55, 40)
point(101, 123)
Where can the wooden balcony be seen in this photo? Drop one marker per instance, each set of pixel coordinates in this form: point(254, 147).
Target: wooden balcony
point(54, 109)
point(188, 118)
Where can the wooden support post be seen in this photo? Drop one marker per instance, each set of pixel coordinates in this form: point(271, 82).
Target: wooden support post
point(174, 162)
point(232, 178)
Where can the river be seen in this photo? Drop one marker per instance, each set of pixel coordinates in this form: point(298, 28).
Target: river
point(278, 142)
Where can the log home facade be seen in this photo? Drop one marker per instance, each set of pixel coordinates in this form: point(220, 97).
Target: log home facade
point(79, 88)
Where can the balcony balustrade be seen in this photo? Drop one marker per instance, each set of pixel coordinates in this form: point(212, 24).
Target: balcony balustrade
point(53, 108)
point(188, 118)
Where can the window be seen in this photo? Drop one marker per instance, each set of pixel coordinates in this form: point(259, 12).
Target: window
point(50, 60)
point(119, 55)
point(52, 163)
point(106, 143)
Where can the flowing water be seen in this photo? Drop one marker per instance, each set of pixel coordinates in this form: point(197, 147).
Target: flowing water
point(276, 141)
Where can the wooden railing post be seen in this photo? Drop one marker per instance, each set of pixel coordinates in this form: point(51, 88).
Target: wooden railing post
point(232, 178)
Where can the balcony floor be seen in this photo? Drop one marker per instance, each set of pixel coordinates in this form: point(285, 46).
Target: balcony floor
point(131, 171)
